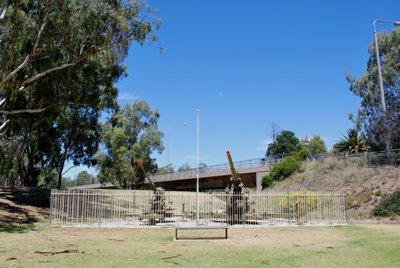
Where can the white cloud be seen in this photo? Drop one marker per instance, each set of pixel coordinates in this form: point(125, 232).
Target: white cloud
point(126, 96)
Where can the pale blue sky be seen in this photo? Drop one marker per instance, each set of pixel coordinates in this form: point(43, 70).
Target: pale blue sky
point(245, 64)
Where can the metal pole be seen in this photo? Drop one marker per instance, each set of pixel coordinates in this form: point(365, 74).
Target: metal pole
point(197, 170)
point(378, 61)
point(168, 151)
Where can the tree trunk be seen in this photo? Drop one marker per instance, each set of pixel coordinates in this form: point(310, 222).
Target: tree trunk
point(59, 180)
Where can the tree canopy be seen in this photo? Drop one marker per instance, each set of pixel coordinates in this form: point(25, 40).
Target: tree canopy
point(316, 146)
point(84, 178)
point(286, 142)
point(57, 76)
point(41, 40)
point(131, 135)
point(370, 118)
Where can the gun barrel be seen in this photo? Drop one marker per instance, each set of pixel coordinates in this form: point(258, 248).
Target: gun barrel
point(235, 176)
point(140, 164)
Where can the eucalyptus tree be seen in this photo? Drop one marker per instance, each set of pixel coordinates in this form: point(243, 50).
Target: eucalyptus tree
point(131, 135)
point(286, 142)
point(43, 38)
point(59, 62)
point(380, 127)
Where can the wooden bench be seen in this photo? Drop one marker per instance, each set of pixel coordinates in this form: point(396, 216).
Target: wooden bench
point(201, 228)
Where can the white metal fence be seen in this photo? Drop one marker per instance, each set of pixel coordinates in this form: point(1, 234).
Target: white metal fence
point(123, 208)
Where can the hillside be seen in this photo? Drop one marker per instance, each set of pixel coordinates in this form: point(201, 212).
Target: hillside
point(365, 186)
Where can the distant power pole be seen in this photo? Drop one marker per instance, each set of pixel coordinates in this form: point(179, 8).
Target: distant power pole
point(275, 130)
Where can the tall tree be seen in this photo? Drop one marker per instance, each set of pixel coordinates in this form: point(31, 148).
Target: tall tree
point(316, 146)
point(77, 134)
point(286, 142)
point(36, 43)
point(52, 66)
point(85, 178)
point(380, 127)
point(131, 135)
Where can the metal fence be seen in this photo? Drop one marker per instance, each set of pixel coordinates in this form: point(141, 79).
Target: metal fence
point(123, 208)
point(371, 158)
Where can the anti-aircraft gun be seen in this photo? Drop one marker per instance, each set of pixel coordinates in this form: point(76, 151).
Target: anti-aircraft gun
point(157, 211)
point(237, 204)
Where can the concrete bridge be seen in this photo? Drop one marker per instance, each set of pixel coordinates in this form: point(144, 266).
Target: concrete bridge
point(216, 176)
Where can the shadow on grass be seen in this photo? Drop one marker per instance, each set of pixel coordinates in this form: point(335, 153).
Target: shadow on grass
point(21, 208)
point(16, 228)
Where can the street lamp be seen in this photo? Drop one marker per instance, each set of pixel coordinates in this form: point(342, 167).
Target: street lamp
point(197, 168)
point(378, 61)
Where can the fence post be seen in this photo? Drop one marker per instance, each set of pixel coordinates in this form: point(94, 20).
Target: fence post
point(51, 206)
point(100, 207)
point(306, 207)
point(345, 208)
point(289, 207)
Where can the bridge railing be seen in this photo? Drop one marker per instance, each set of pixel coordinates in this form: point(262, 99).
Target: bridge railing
point(220, 168)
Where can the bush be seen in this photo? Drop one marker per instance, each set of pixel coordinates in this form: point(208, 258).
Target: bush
point(267, 181)
point(389, 206)
point(284, 169)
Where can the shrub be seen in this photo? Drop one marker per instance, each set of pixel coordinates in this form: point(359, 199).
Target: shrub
point(389, 206)
point(267, 181)
point(284, 169)
point(298, 200)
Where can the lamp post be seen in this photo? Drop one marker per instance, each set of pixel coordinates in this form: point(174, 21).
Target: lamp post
point(197, 168)
point(378, 61)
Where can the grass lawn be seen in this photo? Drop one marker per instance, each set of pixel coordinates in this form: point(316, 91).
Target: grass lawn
point(348, 246)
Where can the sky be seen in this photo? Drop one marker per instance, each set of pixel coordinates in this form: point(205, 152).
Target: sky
point(246, 64)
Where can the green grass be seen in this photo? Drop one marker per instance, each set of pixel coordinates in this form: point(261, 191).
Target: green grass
point(349, 246)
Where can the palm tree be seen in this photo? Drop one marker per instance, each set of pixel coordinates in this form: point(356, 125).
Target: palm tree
point(352, 142)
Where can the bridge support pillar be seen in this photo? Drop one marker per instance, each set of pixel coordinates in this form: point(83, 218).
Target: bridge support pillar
point(259, 176)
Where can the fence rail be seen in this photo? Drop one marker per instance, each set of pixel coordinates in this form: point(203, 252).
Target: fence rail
point(123, 208)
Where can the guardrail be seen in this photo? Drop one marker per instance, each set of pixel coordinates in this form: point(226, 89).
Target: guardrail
point(371, 158)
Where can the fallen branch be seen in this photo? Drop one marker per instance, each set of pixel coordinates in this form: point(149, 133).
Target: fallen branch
point(55, 252)
point(172, 257)
point(118, 240)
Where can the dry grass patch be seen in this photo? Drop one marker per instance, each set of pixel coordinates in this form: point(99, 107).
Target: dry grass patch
point(350, 246)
